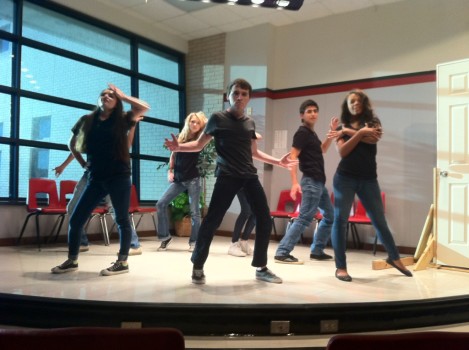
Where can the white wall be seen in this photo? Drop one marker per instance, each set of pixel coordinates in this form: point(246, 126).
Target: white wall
point(401, 38)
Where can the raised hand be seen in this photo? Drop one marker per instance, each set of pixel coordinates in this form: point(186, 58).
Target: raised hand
point(173, 144)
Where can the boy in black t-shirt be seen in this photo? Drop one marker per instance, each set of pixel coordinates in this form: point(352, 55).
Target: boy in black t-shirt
point(309, 150)
point(235, 142)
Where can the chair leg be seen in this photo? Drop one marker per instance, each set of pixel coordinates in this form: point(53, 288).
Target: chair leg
point(356, 239)
point(103, 222)
point(275, 229)
point(24, 227)
point(38, 235)
point(375, 244)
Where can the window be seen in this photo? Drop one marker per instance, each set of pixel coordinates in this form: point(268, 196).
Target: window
point(66, 61)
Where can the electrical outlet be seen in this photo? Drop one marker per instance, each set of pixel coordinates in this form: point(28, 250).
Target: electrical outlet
point(279, 327)
point(131, 324)
point(329, 326)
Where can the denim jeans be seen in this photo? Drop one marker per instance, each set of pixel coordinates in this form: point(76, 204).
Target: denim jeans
point(225, 190)
point(314, 196)
point(119, 191)
point(369, 193)
point(193, 189)
point(79, 188)
point(246, 219)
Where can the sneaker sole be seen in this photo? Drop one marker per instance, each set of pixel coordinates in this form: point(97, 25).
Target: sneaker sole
point(289, 262)
point(64, 271)
point(198, 282)
point(279, 281)
point(237, 255)
point(108, 273)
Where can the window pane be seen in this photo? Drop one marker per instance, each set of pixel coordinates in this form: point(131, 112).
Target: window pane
point(5, 62)
point(67, 33)
point(4, 170)
point(5, 115)
point(152, 139)
point(158, 64)
point(62, 77)
point(153, 181)
point(164, 102)
point(34, 124)
point(6, 15)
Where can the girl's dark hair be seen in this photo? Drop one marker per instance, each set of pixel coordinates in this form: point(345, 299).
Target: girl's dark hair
point(367, 115)
point(121, 125)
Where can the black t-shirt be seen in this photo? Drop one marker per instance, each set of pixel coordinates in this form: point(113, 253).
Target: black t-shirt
point(233, 137)
point(185, 166)
point(311, 158)
point(100, 149)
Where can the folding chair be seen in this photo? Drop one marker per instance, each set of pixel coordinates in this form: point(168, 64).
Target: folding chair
point(46, 206)
point(285, 201)
point(136, 209)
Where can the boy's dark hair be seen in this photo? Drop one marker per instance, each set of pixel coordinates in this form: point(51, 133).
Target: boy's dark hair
point(242, 83)
point(306, 104)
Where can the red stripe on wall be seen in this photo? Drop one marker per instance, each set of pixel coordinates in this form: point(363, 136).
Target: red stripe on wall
point(415, 78)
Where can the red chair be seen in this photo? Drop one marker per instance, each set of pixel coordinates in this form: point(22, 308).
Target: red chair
point(360, 217)
point(48, 206)
point(67, 187)
point(136, 209)
point(286, 207)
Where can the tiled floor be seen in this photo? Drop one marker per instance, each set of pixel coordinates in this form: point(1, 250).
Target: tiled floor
point(164, 277)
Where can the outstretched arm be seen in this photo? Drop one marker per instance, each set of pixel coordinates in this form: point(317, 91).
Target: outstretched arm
point(59, 169)
point(284, 162)
point(193, 146)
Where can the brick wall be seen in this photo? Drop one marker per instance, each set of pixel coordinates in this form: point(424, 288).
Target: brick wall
point(205, 73)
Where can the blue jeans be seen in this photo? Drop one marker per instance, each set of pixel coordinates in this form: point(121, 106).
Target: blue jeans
point(79, 188)
point(193, 189)
point(369, 193)
point(245, 217)
point(224, 192)
point(119, 191)
point(315, 195)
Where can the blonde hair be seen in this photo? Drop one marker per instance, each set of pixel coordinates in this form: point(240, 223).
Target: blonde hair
point(185, 134)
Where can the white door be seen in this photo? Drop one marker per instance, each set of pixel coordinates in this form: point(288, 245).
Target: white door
point(452, 176)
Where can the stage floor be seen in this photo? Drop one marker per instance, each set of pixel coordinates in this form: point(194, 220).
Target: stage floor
point(164, 277)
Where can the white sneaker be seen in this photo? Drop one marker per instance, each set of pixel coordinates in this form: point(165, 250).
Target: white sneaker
point(191, 247)
point(235, 250)
point(245, 247)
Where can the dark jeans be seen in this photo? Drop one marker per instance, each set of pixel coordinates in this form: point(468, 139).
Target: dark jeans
point(224, 192)
point(119, 191)
point(246, 219)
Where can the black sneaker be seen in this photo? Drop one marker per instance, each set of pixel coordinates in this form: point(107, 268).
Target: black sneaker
point(116, 268)
point(67, 266)
point(287, 259)
point(164, 244)
point(198, 277)
point(322, 256)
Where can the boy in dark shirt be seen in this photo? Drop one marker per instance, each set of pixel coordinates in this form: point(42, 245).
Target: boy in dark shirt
point(235, 142)
point(309, 150)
